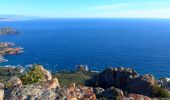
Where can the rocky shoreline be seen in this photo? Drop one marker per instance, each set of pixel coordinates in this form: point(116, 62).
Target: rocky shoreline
point(120, 83)
point(6, 48)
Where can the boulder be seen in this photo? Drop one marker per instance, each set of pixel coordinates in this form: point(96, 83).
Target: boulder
point(1, 91)
point(13, 82)
point(137, 97)
point(98, 91)
point(82, 68)
point(50, 84)
point(109, 94)
point(116, 77)
point(141, 85)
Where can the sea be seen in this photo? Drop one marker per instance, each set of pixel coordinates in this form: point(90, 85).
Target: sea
point(61, 44)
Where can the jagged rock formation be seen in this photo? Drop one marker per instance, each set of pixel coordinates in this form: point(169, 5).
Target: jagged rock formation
point(134, 87)
point(48, 89)
point(1, 91)
point(141, 85)
point(116, 77)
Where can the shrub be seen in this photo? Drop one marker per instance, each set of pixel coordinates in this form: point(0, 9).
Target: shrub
point(159, 92)
point(33, 75)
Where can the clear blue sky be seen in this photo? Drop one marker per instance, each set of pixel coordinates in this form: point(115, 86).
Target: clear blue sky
point(87, 8)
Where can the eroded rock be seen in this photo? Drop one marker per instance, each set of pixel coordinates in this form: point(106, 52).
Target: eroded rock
point(137, 97)
point(47, 74)
point(141, 85)
point(1, 91)
point(13, 82)
point(116, 77)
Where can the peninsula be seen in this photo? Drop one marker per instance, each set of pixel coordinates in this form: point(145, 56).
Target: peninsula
point(6, 48)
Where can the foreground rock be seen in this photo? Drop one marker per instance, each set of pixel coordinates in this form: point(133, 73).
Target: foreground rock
point(50, 90)
point(33, 91)
point(137, 97)
point(109, 94)
point(128, 81)
point(141, 85)
point(1, 91)
point(116, 77)
point(13, 82)
point(111, 84)
point(47, 74)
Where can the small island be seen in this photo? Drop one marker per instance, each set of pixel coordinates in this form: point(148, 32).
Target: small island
point(6, 48)
point(7, 30)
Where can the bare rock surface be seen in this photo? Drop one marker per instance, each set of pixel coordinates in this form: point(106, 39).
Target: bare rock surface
point(47, 74)
point(141, 85)
point(137, 97)
point(116, 77)
point(1, 91)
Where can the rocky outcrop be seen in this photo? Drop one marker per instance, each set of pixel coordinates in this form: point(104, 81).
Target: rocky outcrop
point(13, 82)
point(47, 74)
point(109, 94)
point(33, 91)
point(82, 68)
point(125, 79)
point(137, 97)
point(116, 77)
point(113, 81)
point(1, 91)
point(51, 84)
point(141, 85)
point(165, 83)
point(41, 92)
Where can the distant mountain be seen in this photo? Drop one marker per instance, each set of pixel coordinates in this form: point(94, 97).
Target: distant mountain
point(17, 17)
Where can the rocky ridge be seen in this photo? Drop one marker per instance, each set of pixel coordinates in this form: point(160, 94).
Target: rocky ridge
point(111, 84)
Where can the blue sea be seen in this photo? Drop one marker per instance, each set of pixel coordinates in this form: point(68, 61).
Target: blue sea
point(60, 44)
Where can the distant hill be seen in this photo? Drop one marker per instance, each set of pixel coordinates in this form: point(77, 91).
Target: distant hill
point(17, 17)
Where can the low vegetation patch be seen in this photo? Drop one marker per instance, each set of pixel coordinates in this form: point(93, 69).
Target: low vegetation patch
point(33, 75)
point(77, 77)
point(159, 92)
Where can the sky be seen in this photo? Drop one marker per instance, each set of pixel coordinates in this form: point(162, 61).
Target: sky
point(87, 8)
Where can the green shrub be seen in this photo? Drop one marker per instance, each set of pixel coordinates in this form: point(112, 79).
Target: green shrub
point(33, 75)
point(159, 92)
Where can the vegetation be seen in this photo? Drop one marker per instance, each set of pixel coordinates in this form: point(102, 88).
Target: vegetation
point(7, 72)
point(77, 77)
point(33, 75)
point(159, 92)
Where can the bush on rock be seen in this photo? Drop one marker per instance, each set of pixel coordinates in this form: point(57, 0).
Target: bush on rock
point(33, 75)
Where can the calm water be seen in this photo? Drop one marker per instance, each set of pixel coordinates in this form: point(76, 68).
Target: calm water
point(143, 44)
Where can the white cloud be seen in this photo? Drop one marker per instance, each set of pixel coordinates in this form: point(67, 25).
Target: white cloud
point(134, 10)
point(110, 7)
point(123, 6)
